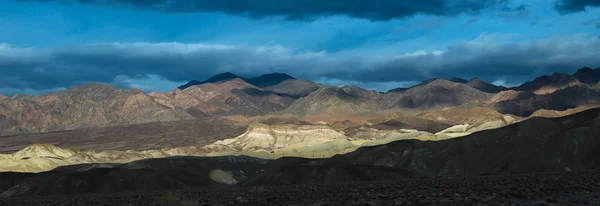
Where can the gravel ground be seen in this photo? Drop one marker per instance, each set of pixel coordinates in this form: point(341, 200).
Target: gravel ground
point(567, 188)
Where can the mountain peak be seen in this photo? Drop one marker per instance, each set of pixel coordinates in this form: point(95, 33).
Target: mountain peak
point(485, 86)
point(264, 80)
point(586, 69)
point(587, 75)
point(93, 87)
point(221, 77)
point(214, 79)
point(458, 80)
point(271, 79)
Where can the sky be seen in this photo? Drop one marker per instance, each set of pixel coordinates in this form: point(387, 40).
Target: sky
point(157, 45)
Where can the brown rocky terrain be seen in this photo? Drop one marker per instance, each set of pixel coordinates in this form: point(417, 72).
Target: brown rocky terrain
point(155, 135)
point(232, 97)
point(411, 122)
point(97, 105)
point(535, 145)
point(336, 101)
point(437, 94)
point(567, 98)
point(90, 105)
point(294, 87)
point(485, 86)
point(549, 84)
point(558, 113)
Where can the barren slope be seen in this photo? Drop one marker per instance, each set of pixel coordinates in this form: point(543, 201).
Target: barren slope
point(294, 87)
point(232, 97)
point(155, 135)
point(336, 101)
point(437, 94)
point(90, 105)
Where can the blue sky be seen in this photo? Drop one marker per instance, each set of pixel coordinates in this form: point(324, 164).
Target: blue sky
point(52, 45)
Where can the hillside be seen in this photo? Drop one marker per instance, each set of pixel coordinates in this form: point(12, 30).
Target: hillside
point(588, 76)
point(526, 104)
point(485, 86)
point(264, 80)
point(549, 84)
point(232, 97)
point(90, 105)
point(532, 146)
point(294, 88)
point(437, 94)
point(336, 100)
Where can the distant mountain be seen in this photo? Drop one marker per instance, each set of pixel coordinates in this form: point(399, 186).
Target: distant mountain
point(214, 79)
point(588, 76)
point(437, 94)
point(458, 80)
point(526, 103)
point(396, 90)
point(232, 97)
point(294, 87)
point(89, 105)
point(336, 100)
point(264, 80)
point(485, 86)
point(548, 84)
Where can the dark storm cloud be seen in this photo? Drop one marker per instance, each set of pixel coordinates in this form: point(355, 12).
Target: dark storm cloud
point(489, 57)
point(308, 9)
point(572, 6)
point(519, 12)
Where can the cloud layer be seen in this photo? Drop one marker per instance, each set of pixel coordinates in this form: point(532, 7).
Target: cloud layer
point(572, 6)
point(308, 9)
point(491, 57)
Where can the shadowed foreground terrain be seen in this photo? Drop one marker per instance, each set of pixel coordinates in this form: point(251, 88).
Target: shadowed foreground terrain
point(561, 188)
point(540, 159)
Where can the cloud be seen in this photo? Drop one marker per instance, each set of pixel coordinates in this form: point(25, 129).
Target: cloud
point(519, 12)
point(572, 6)
point(375, 10)
point(156, 66)
point(595, 22)
point(471, 21)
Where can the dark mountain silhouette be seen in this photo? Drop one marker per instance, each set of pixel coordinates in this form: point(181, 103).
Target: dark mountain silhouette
point(264, 80)
point(548, 84)
point(588, 76)
point(458, 80)
point(214, 79)
point(485, 86)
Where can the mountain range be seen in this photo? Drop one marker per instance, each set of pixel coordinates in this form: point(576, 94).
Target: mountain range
point(229, 131)
point(568, 143)
point(99, 105)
